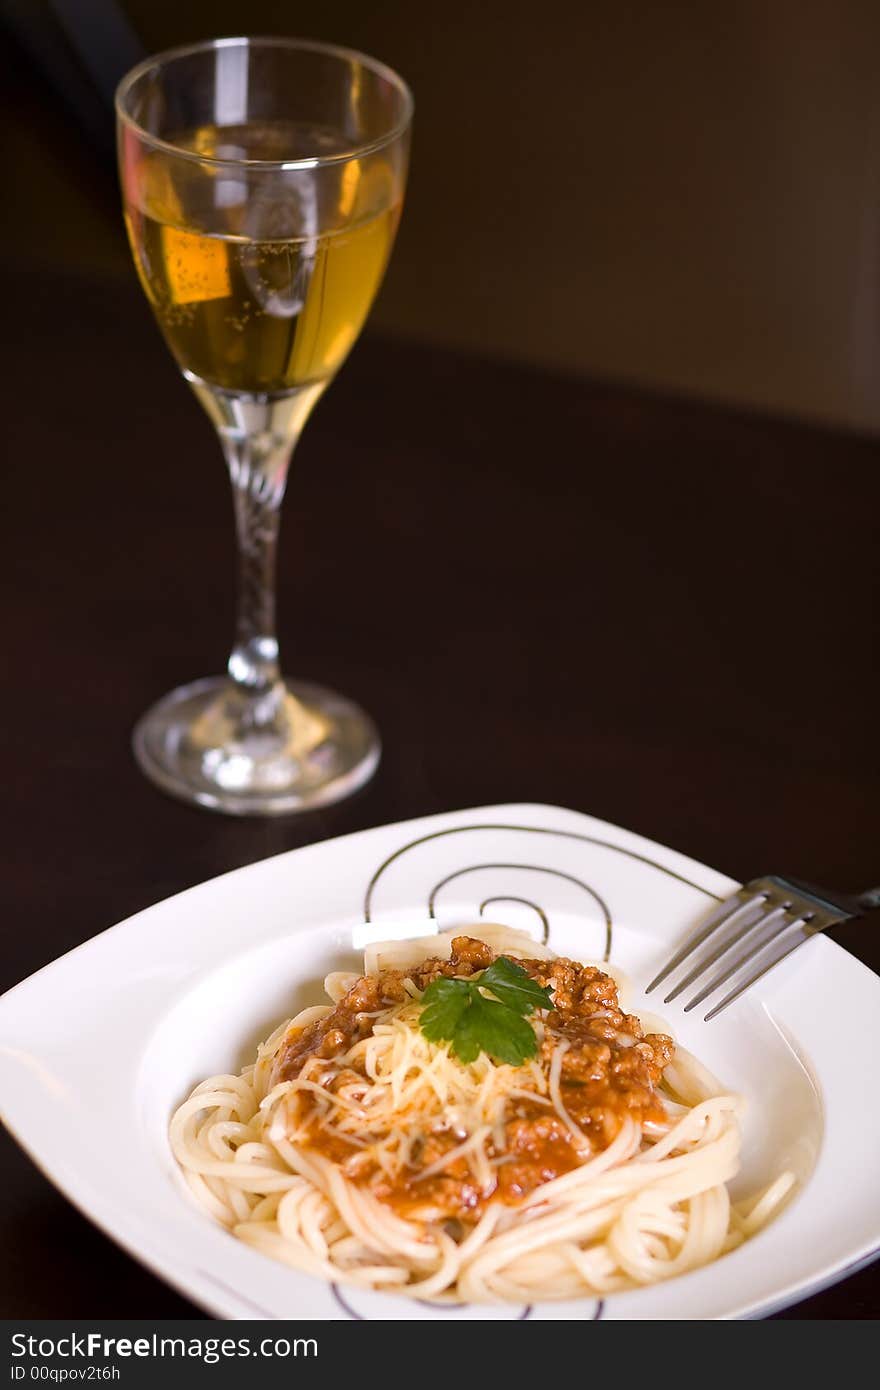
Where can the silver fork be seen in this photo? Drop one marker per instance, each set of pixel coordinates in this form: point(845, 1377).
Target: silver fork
point(767, 919)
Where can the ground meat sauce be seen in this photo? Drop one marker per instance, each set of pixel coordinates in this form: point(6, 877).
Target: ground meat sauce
point(610, 1069)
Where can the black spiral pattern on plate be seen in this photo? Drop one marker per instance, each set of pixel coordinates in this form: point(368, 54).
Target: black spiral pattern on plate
point(451, 1308)
point(537, 869)
point(529, 830)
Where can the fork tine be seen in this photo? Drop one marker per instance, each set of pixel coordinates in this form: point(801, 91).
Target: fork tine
point(725, 912)
point(756, 975)
point(771, 928)
point(747, 918)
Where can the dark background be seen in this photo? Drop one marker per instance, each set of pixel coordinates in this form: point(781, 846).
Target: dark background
point(684, 195)
point(522, 530)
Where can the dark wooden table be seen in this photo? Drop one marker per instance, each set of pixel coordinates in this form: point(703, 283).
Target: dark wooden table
point(656, 611)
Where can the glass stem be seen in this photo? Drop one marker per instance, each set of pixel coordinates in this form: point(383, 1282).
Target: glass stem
point(257, 495)
point(258, 435)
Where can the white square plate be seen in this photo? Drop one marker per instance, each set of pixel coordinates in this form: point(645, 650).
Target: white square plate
point(98, 1048)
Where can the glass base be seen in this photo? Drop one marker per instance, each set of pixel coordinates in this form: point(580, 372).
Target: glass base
point(317, 748)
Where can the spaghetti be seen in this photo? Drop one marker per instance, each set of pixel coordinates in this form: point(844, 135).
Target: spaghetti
point(357, 1150)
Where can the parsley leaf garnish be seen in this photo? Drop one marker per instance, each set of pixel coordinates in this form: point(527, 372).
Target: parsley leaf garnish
point(458, 1012)
point(514, 987)
point(492, 1028)
point(444, 1002)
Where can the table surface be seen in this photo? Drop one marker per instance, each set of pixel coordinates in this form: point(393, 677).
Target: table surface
point(656, 611)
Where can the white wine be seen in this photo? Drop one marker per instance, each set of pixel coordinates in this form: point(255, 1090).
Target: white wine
point(255, 313)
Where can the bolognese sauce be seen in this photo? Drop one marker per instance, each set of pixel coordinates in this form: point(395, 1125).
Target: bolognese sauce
point(605, 1066)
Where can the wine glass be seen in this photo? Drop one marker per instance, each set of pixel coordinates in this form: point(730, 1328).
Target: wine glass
point(262, 182)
